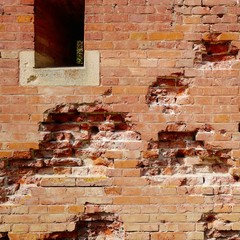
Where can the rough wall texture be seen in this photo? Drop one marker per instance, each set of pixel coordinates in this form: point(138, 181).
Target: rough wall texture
point(150, 153)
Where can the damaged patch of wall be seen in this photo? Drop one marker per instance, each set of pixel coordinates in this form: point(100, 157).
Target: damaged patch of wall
point(178, 152)
point(169, 92)
point(92, 226)
point(213, 48)
point(220, 226)
point(84, 181)
point(78, 140)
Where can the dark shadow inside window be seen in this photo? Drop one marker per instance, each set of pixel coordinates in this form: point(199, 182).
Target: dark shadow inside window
point(59, 33)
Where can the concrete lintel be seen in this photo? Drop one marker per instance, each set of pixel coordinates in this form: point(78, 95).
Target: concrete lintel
point(60, 76)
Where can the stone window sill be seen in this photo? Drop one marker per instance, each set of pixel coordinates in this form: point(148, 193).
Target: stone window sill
point(88, 75)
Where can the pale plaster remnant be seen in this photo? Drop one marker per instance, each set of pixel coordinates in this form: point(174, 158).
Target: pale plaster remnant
point(88, 75)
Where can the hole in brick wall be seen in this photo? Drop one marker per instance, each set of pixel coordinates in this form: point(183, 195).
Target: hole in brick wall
point(211, 49)
point(59, 32)
point(220, 15)
point(218, 227)
point(168, 91)
point(236, 178)
point(180, 152)
point(209, 217)
point(92, 227)
point(94, 130)
point(221, 235)
point(4, 236)
point(219, 51)
point(74, 136)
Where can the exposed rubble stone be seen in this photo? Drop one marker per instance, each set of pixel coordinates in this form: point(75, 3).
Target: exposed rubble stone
point(92, 227)
point(182, 153)
point(74, 135)
point(219, 227)
point(169, 92)
point(213, 49)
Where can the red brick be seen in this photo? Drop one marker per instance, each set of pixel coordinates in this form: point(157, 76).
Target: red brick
point(220, 2)
point(125, 164)
point(131, 200)
point(25, 18)
point(167, 236)
point(138, 41)
point(165, 36)
point(24, 218)
point(193, 2)
point(23, 228)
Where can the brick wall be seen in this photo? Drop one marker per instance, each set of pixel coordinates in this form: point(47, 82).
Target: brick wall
point(150, 153)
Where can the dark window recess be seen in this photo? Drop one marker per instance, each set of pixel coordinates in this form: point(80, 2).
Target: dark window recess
point(59, 33)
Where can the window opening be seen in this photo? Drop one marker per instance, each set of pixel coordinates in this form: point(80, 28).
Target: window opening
point(59, 33)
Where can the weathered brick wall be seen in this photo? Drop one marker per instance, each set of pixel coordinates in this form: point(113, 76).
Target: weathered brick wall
point(150, 153)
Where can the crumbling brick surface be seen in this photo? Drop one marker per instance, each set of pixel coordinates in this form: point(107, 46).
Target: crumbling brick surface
point(78, 139)
point(170, 92)
point(91, 226)
point(181, 153)
point(213, 49)
point(150, 153)
point(219, 226)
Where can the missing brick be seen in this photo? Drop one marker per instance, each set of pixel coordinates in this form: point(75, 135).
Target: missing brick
point(220, 15)
point(212, 49)
point(92, 227)
point(180, 153)
point(208, 217)
point(218, 227)
point(76, 139)
point(168, 92)
point(219, 51)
